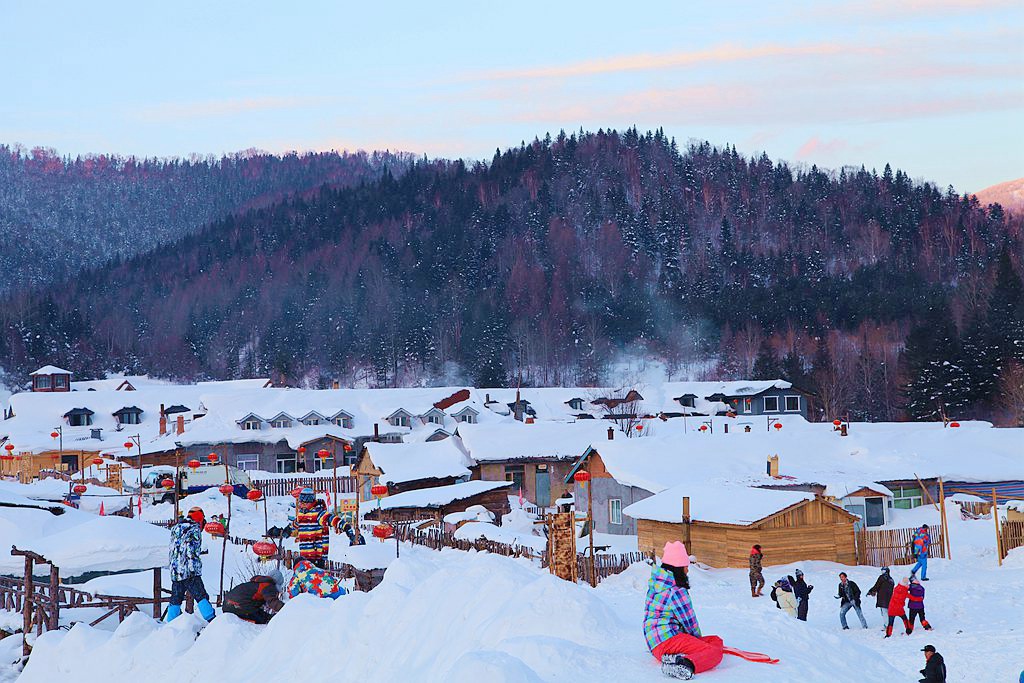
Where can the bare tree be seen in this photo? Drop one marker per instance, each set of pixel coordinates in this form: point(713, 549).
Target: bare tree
point(1011, 391)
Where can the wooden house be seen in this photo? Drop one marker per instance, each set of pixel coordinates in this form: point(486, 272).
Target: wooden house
point(719, 525)
point(27, 466)
point(410, 466)
point(872, 503)
point(51, 378)
point(432, 504)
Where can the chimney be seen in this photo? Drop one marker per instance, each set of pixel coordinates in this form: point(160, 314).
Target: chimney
point(611, 434)
point(517, 413)
point(376, 431)
point(773, 466)
point(686, 508)
point(181, 424)
point(335, 384)
point(163, 421)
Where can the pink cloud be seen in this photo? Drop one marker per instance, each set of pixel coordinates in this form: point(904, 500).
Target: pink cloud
point(817, 148)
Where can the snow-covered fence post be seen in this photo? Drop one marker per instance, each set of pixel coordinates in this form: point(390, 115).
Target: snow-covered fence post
point(995, 518)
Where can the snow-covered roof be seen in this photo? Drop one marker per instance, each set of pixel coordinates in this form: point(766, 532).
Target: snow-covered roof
point(404, 462)
point(440, 495)
point(512, 440)
point(50, 370)
point(722, 504)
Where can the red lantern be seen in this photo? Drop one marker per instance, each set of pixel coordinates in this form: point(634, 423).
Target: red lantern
point(582, 476)
point(639, 428)
point(7, 457)
point(382, 531)
point(167, 483)
point(296, 491)
point(97, 461)
point(379, 490)
point(302, 450)
point(226, 489)
point(254, 495)
point(215, 529)
point(128, 445)
point(54, 434)
point(347, 447)
point(264, 549)
point(212, 457)
point(703, 428)
point(9, 447)
point(777, 426)
point(323, 454)
point(79, 489)
point(837, 422)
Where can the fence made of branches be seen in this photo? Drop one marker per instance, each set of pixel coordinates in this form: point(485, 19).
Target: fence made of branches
point(891, 547)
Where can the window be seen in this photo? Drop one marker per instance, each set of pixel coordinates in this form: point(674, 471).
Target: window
point(907, 497)
point(576, 404)
point(515, 474)
point(42, 381)
point(60, 381)
point(311, 421)
point(615, 510)
point(80, 420)
point(771, 404)
point(468, 418)
point(130, 418)
point(247, 461)
point(686, 401)
point(323, 464)
point(400, 420)
point(251, 424)
point(792, 404)
point(343, 422)
point(285, 463)
point(434, 418)
point(746, 405)
point(281, 424)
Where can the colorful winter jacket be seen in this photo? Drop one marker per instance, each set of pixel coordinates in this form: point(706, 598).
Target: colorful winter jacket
point(668, 610)
point(755, 561)
point(922, 542)
point(898, 600)
point(315, 581)
point(916, 599)
point(186, 544)
point(313, 530)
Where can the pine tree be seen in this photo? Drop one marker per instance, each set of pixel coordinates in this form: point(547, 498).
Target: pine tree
point(937, 385)
point(766, 365)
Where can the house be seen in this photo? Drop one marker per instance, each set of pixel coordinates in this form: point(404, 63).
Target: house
point(431, 505)
point(407, 467)
point(719, 524)
point(400, 418)
point(51, 378)
point(743, 397)
point(434, 416)
point(873, 503)
point(534, 458)
point(467, 414)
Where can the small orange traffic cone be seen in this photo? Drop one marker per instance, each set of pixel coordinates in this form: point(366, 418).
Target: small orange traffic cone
point(102, 513)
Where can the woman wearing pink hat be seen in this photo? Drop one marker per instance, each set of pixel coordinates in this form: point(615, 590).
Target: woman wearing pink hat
point(670, 624)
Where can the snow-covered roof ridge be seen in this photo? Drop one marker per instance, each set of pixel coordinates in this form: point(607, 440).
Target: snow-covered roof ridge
point(512, 440)
point(50, 370)
point(406, 462)
point(721, 503)
point(439, 496)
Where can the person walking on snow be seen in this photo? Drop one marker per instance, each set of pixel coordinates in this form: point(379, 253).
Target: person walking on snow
point(756, 577)
point(785, 597)
point(257, 599)
point(849, 596)
point(896, 607)
point(934, 670)
point(922, 544)
point(882, 590)
point(670, 624)
point(186, 567)
point(916, 604)
point(802, 591)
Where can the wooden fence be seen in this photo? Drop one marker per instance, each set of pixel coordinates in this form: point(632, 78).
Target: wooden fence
point(283, 487)
point(1011, 535)
point(608, 565)
point(891, 547)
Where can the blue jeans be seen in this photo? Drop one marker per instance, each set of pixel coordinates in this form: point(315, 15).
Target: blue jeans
point(922, 564)
point(847, 606)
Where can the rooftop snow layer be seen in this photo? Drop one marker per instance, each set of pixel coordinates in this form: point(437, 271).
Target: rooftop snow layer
point(440, 495)
point(723, 504)
point(512, 440)
point(403, 462)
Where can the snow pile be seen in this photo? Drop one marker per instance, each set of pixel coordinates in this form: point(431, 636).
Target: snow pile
point(476, 530)
point(404, 462)
point(474, 513)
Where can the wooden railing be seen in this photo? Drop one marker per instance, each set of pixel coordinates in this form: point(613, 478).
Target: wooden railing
point(890, 547)
point(1011, 535)
point(284, 487)
point(609, 565)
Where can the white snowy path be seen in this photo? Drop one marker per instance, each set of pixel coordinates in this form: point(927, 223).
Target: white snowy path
point(453, 616)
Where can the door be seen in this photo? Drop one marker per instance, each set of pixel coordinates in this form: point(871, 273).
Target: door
point(543, 486)
point(874, 513)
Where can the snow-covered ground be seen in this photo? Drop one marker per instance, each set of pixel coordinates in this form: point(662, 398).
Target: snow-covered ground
point(458, 616)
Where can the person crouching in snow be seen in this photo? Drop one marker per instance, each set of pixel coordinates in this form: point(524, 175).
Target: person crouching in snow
point(186, 567)
point(785, 597)
point(756, 577)
point(670, 624)
point(896, 606)
point(308, 578)
point(257, 599)
point(916, 604)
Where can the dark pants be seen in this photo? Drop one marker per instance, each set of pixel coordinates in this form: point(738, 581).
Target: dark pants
point(256, 616)
point(914, 614)
point(193, 585)
point(801, 610)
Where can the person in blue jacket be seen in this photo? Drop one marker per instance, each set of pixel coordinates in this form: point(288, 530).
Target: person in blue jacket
point(186, 565)
point(922, 544)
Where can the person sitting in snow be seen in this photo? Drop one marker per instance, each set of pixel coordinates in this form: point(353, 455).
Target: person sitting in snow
point(312, 526)
point(896, 607)
point(670, 624)
point(922, 544)
point(784, 596)
point(882, 590)
point(308, 578)
point(915, 602)
point(756, 577)
point(186, 566)
point(257, 599)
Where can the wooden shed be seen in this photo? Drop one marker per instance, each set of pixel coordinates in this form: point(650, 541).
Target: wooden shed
point(807, 529)
point(435, 503)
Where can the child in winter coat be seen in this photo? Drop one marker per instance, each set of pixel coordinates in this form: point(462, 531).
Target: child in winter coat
point(785, 596)
point(670, 624)
point(186, 566)
point(257, 599)
point(882, 590)
point(896, 607)
point(756, 577)
point(916, 604)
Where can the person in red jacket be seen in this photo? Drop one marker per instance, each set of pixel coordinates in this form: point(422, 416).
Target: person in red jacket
point(896, 606)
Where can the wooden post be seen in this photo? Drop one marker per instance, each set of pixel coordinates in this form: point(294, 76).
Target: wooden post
point(995, 518)
point(224, 552)
point(54, 598)
point(177, 480)
point(590, 521)
point(945, 525)
point(334, 460)
point(924, 491)
point(686, 521)
point(158, 608)
point(359, 489)
point(27, 607)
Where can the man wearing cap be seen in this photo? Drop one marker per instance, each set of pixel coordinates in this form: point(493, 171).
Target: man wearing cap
point(186, 566)
point(934, 670)
point(882, 591)
point(257, 599)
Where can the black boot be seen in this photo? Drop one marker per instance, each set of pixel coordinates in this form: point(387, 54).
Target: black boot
point(677, 666)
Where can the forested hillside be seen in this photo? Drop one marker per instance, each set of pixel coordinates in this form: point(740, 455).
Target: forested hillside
point(59, 215)
point(554, 258)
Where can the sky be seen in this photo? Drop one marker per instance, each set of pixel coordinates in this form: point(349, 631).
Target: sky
point(935, 87)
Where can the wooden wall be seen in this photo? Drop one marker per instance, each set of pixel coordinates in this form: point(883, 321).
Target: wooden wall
point(729, 546)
